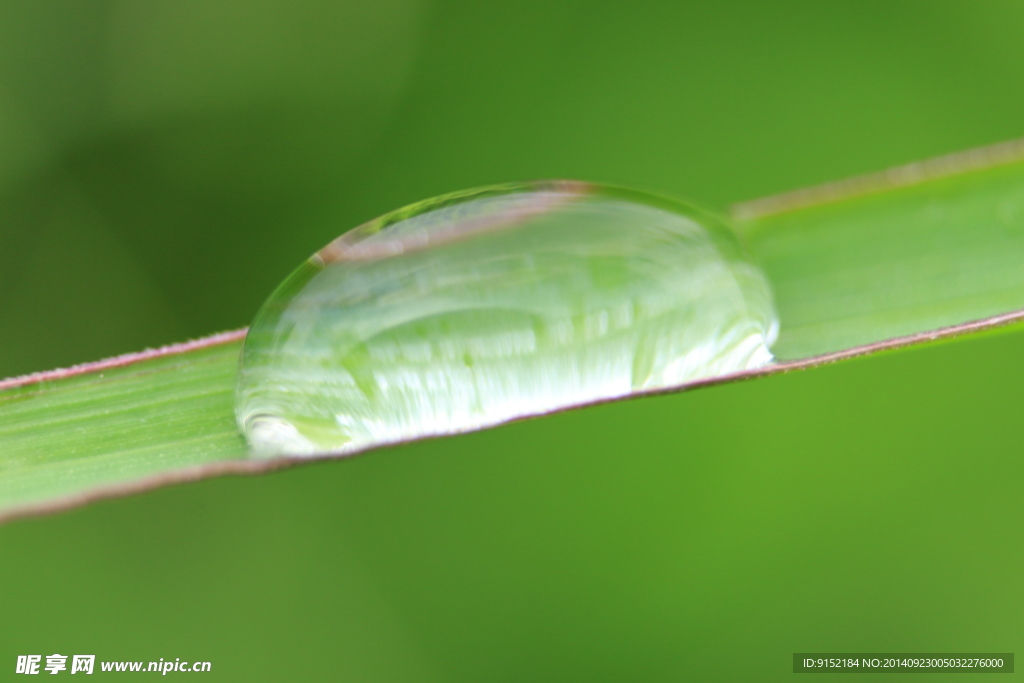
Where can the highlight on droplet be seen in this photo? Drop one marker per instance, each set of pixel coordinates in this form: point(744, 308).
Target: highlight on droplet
point(479, 307)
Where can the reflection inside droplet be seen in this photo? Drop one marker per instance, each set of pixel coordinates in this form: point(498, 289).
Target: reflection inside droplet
point(483, 306)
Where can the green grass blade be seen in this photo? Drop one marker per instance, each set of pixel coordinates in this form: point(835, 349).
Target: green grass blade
point(117, 426)
point(918, 248)
point(926, 251)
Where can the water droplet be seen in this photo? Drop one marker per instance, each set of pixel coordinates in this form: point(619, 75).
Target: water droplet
point(479, 307)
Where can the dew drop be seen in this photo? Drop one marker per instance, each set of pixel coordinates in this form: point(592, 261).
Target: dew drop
point(479, 307)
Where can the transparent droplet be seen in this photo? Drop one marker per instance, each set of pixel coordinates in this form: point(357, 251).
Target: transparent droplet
point(483, 306)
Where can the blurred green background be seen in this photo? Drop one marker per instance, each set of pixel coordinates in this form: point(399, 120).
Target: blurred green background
point(163, 165)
